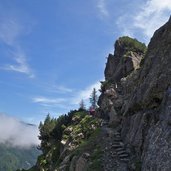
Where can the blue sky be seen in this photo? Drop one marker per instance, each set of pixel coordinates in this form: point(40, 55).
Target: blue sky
point(52, 53)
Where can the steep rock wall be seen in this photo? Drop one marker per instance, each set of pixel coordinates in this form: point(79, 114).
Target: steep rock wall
point(136, 98)
point(135, 101)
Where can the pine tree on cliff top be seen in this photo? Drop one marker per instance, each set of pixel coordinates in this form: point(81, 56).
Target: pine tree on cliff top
point(82, 105)
point(93, 99)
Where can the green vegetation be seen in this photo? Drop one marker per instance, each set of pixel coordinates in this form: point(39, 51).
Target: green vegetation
point(78, 128)
point(51, 132)
point(138, 165)
point(52, 129)
point(87, 144)
point(94, 99)
point(133, 44)
point(105, 84)
point(90, 145)
point(82, 105)
point(95, 159)
point(12, 158)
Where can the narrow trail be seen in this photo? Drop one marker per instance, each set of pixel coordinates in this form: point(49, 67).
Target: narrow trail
point(115, 155)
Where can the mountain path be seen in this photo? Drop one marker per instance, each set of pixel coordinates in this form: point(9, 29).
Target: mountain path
point(115, 155)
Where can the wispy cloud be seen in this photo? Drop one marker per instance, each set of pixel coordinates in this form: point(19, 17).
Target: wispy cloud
point(54, 106)
point(20, 65)
point(61, 89)
point(44, 101)
point(16, 133)
point(11, 31)
point(124, 24)
point(149, 17)
point(66, 103)
point(153, 14)
point(85, 94)
point(102, 7)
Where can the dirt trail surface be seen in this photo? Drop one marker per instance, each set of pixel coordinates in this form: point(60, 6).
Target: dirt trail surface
point(115, 156)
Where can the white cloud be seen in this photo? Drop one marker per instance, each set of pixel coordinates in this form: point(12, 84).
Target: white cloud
point(126, 28)
point(48, 101)
point(21, 64)
point(61, 89)
point(10, 32)
point(71, 101)
point(101, 5)
point(153, 14)
point(85, 94)
point(17, 134)
point(146, 18)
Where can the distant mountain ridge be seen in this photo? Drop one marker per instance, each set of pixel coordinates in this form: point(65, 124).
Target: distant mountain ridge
point(18, 144)
point(13, 158)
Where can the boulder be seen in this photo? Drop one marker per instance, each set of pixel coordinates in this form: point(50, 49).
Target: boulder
point(82, 163)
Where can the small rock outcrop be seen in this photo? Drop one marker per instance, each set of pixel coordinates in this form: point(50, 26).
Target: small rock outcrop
point(127, 56)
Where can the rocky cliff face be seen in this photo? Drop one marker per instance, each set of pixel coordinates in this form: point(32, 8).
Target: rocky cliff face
point(136, 98)
point(121, 76)
point(134, 132)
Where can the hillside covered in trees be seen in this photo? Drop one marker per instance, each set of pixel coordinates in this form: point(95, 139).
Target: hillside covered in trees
point(71, 135)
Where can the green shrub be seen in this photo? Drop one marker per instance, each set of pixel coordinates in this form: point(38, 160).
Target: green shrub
point(133, 44)
point(96, 159)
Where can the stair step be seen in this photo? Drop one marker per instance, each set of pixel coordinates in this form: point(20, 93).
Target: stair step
point(117, 134)
point(117, 140)
point(116, 146)
point(122, 152)
point(112, 152)
point(120, 149)
point(123, 155)
point(125, 160)
point(104, 123)
point(118, 143)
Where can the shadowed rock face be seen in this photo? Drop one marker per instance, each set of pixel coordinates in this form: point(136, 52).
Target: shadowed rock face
point(155, 73)
point(124, 63)
point(127, 56)
point(140, 106)
point(157, 146)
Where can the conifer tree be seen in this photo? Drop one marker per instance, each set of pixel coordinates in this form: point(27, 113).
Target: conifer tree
point(45, 131)
point(93, 99)
point(82, 105)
